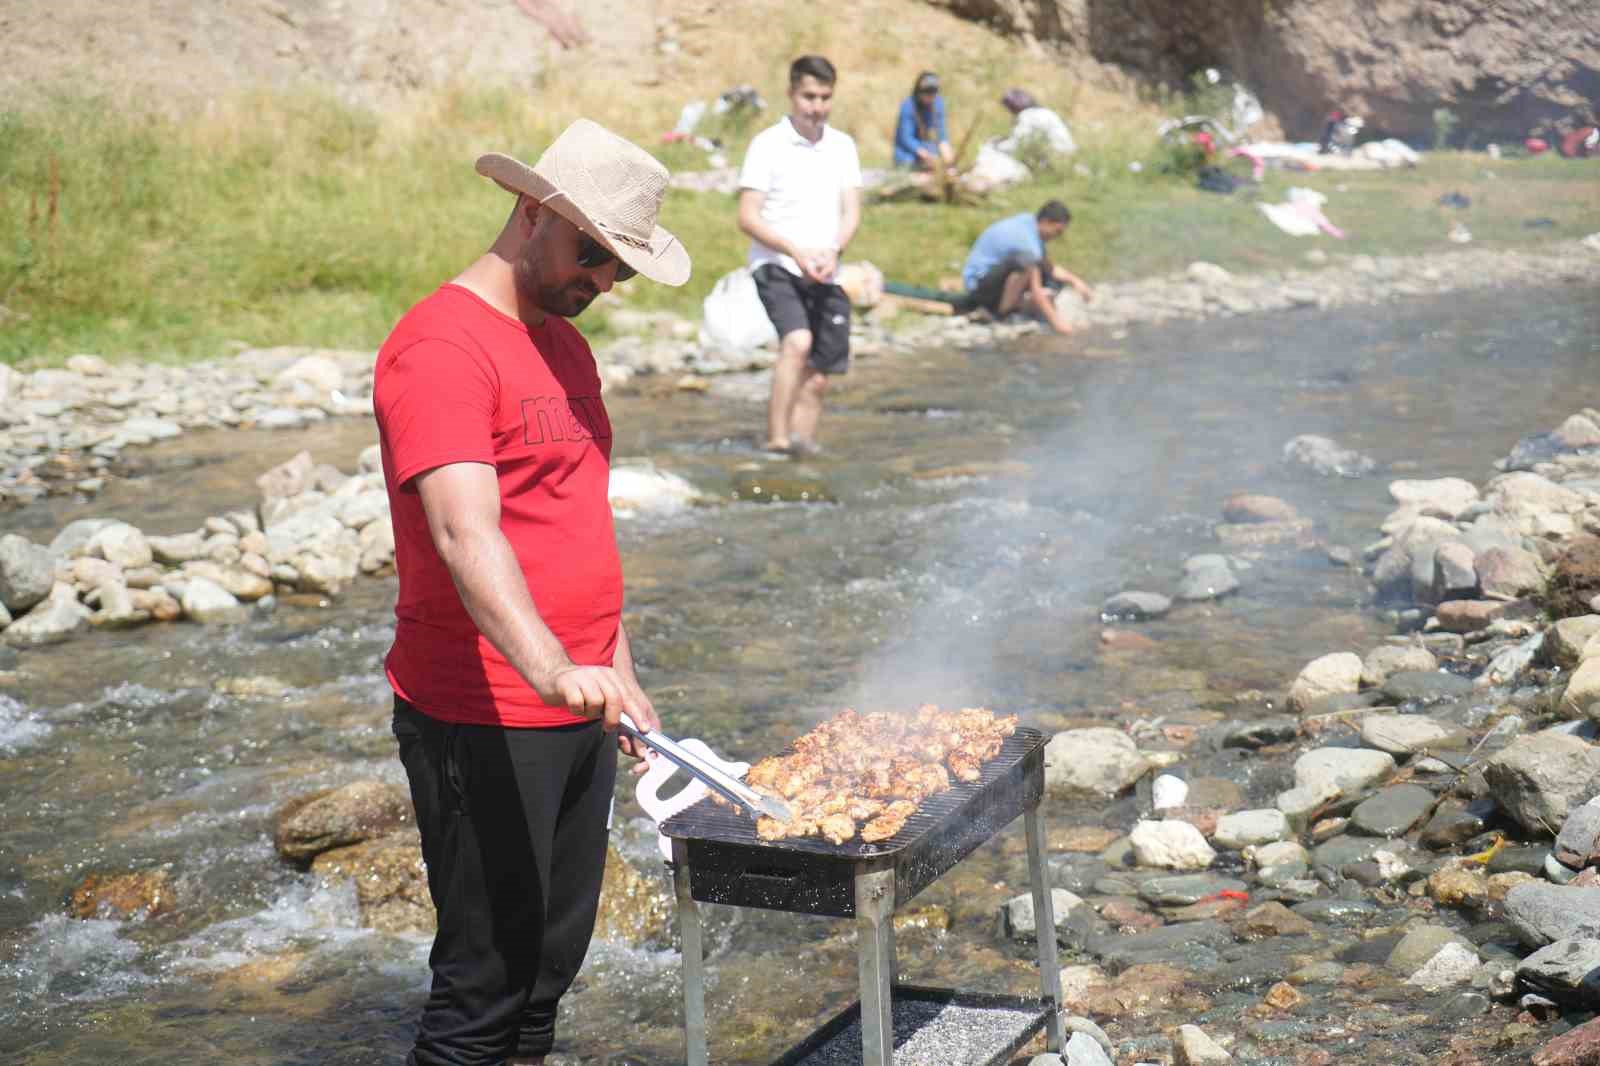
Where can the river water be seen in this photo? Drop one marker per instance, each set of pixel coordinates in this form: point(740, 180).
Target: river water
point(979, 507)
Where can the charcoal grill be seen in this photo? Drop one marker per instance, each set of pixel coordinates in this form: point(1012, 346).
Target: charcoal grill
point(717, 858)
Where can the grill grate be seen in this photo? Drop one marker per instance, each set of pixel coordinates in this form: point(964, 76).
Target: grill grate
point(730, 864)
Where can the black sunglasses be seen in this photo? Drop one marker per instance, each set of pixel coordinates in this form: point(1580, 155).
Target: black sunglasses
point(592, 255)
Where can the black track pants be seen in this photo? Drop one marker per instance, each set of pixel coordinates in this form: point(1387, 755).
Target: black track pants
point(513, 826)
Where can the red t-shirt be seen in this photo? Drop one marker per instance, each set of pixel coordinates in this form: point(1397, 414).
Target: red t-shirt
point(459, 382)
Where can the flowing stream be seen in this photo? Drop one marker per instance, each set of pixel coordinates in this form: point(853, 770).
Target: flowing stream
point(979, 508)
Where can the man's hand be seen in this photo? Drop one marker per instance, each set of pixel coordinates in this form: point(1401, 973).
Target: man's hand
point(600, 692)
point(1082, 290)
point(818, 264)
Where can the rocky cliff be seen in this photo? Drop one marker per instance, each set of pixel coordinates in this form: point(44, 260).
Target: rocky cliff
point(1503, 67)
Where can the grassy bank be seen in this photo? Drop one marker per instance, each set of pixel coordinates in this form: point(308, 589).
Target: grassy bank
point(273, 219)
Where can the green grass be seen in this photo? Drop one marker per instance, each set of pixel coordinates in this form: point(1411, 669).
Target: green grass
point(298, 220)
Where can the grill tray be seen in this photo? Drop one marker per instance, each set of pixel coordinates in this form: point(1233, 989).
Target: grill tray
point(932, 1027)
point(729, 864)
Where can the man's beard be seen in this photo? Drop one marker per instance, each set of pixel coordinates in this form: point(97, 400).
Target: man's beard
point(566, 301)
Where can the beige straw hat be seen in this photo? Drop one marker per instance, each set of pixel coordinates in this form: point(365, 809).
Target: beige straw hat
point(606, 186)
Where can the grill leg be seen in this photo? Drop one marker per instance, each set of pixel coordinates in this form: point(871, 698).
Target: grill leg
point(875, 949)
point(1044, 920)
point(694, 962)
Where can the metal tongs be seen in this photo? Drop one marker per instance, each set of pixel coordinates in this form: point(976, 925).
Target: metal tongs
point(714, 777)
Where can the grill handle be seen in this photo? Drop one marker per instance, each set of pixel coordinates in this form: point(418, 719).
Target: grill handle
point(730, 786)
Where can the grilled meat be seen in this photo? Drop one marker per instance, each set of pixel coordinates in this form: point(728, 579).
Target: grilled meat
point(872, 770)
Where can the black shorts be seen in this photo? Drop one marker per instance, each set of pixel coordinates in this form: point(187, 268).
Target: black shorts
point(987, 292)
point(794, 302)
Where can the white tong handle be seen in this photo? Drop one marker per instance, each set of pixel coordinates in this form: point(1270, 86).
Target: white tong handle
point(661, 771)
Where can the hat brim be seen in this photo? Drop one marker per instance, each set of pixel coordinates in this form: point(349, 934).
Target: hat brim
point(666, 260)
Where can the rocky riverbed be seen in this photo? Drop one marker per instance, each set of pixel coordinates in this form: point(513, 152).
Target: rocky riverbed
point(1387, 858)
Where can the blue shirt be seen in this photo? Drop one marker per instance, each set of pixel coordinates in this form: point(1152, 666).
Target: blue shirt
point(1017, 235)
point(906, 141)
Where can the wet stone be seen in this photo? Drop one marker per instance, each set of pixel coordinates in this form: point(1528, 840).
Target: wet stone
point(1353, 914)
point(1179, 891)
point(1519, 858)
point(1261, 734)
point(1344, 850)
point(1393, 811)
point(1075, 873)
point(1568, 971)
point(1425, 687)
point(1191, 945)
point(1454, 824)
point(1135, 606)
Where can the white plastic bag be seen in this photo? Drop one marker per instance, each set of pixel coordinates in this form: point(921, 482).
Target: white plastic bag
point(734, 319)
point(994, 167)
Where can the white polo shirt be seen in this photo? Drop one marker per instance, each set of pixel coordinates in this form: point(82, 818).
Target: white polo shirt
point(804, 183)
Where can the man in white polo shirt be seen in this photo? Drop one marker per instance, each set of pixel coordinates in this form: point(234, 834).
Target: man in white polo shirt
point(800, 202)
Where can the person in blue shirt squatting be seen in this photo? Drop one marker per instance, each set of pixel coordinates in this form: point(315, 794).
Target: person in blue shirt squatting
point(1008, 263)
point(921, 140)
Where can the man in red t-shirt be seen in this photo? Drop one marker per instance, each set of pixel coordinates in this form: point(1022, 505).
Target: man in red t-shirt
point(510, 664)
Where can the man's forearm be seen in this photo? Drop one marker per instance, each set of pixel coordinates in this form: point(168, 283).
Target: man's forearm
point(495, 594)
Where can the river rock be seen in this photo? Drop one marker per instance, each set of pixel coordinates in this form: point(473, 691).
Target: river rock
point(1407, 734)
point(391, 881)
point(1582, 694)
point(1533, 504)
point(1425, 687)
point(1539, 779)
point(1272, 919)
point(1184, 889)
point(1422, 943)
point(1468, 616)
point(1243, 829)
point(1206, 577)
point(308, 825)
point(121, 545)
point(1328, 675)
point(641, 489)
point(287, 479)
point(635, 908)
point(1387, 659)
point(1446, 496)
point(1566, 970)
point(75, 536)
point(27, 571)
point(1135, 606)
point(1172, 845)
point(1542, 913)
point(1097, 761)
point(145, 892)
point(1453, 964)
point(1578, 1046)
point(1454, 576)
point(50, 622)
point(209, 603)
point(1326, 457)
point(1455, 823)
point(1350, 770)
point(1575, 844)
point(377, 546)
point(1393, 811)
point(1018, 921)
point(1194, 1048)
point(1247, 507)
point(1508, 573)
point(1566, 640)
point(1455, 885)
